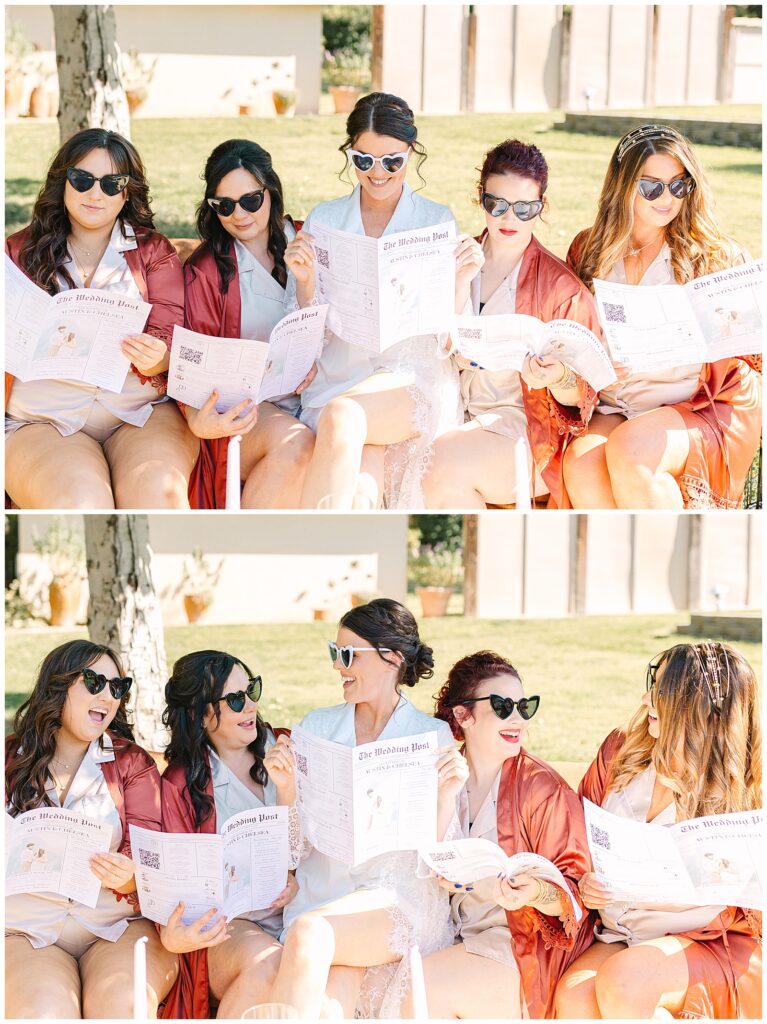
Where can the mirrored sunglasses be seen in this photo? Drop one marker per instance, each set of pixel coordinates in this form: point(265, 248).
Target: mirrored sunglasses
point(391, 162)
point(251, 202)
point(236, 700)
point(346, 654)
point(83, 181)
point(95, 683)
point(650, 189)
point(496, 207)
point(504, 706)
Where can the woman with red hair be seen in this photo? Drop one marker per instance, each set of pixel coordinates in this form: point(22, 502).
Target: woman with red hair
point(547, 403)
point(518, 936)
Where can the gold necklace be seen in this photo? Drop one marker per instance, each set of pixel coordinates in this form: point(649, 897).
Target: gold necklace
point(636, 252)
point(81, 266)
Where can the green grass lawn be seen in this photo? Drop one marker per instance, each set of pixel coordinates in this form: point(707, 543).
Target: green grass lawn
point(588, 671)
point(305, 155)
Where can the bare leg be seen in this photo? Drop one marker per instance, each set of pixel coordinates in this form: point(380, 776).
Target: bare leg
point(354, 931)
point(151, 465)
point(378, 412)
point(370, 483)
point(243, 969)
point(45, 470)
point(585, 465)
point(472, 467)
point(275, 455)
point(576, 997)
point(644, 978)
point(56, 996)
point(645, 455)
point(342, 992)
point(461, 985)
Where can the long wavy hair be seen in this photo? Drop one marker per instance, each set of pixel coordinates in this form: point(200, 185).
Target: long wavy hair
point(43, 254)
point(197, 680)
point(694, 238)
point(227, 157)
point(721, 759)
point(38, 720)
point(384, 114)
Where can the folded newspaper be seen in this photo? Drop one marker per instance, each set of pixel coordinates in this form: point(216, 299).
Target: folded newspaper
point(244, 868)
point(74, 335)
point(469, 860)
point(383, 290)
point(664, 326)
point(501, 342)
point(48, 849)
point(700, 862)
point(357, 802)
point(239, 368)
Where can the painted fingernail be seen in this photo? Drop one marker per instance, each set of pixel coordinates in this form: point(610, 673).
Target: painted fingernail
point(458, 885)
point(473, 364)
point(469, 888)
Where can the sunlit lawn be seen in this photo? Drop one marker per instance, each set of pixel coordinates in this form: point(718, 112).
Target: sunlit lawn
point(305, 154)
point(589, 671)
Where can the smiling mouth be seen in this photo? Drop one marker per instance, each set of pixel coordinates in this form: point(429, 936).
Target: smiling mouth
point(98, 715)
point(247, 724)
point(347, 680)
point(511, 735)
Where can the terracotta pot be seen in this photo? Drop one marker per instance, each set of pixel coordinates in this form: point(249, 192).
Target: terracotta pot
point(38, 102)
point(246, 110)
point(53, 104)
point(434, 600)
point(344, 97)
point(195, 606)
point(283, 106)
point(135, 100)
point(14, 90)
point(64, 598)
point(320, 614)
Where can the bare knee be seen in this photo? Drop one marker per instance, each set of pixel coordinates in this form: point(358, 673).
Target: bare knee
point(300, 446)
point(621, 988)
point(574, 998)
point(623, 452)
point(102, 994)
point(339, 419)
point(310, 938)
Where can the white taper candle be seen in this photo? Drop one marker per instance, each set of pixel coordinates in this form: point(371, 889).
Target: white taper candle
point(233, 472)
point(139, 979)
point(420, 1007)
point(522, 475)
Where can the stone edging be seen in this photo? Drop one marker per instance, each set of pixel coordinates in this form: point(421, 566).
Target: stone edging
point(708, 133)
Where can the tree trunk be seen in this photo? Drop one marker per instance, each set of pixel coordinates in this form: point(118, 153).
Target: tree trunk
point(124, 613)
point(88, 61)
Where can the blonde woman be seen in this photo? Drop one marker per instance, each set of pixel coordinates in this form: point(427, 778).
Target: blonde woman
point(693, 748)
point(682, 437)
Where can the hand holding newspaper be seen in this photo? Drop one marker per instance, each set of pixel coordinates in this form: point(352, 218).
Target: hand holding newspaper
point(501, 342)
point(383, 290)
point(244, 868)
point(357, 802)
point(48, 849)
point(711, 860)
point(469, 860)
point(239, 368)
point(74, 335)
point(664, 326)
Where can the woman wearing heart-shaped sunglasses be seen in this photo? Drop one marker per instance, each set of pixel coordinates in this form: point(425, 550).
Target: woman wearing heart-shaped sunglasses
point(75, 445)
point(507, 270)
point(235, 287)
point(72, 747)
point(518, 935)
point(668, 438)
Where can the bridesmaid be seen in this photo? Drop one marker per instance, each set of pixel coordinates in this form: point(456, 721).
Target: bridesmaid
point(75, 445)
point(72, 747)
point(235, 288)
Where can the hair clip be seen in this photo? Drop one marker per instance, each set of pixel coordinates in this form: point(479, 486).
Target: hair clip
point(711, 669)
point(645, 131)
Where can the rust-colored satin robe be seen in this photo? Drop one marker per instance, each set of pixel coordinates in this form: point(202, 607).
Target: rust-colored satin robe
point(134, 785)
point(209, 310)
point(156, 269)
point(189, 999)
point(724, 422)
point(538, 812)
point(724, 960)
point(549, 290)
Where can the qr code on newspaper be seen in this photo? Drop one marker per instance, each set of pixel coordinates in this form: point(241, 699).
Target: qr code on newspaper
point(191, 355)
point(149, 859)
point(301, 763)
point(600, 837)
point(615, 313)
point(323, 257)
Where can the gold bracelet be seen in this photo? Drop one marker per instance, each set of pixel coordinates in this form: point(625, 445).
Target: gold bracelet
point(567, 380)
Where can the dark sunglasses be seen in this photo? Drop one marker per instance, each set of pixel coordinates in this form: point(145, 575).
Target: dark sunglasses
point(236, 700)
point(651, 190)
point(391, 162)
point(504, 706)
point(251, 202)
point(496, 207)
point(95, 683)
point(83, 181)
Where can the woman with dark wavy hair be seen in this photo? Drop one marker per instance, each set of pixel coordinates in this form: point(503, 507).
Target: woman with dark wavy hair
point(369, 916)
point(518, 935)
point(222, 759)
point(547, 403)
point(235, 288)
point(75, 445)
point(693, 748)
point(72, 747)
